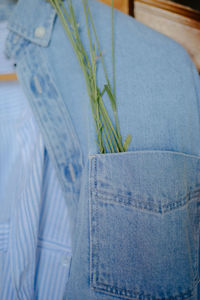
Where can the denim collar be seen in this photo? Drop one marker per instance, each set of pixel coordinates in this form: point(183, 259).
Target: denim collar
point(30, 17)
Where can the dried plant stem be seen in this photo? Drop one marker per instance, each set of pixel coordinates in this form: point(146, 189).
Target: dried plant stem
point(108, 138)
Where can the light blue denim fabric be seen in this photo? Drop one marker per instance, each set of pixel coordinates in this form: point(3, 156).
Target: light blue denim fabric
point(134, 216)
point(6, 8)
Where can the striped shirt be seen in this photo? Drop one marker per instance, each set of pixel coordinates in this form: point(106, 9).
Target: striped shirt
point(35, 245)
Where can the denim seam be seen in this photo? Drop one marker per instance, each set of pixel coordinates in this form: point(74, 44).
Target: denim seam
point(143, 152)
point(94, 258)
point(90, 220)
point(143, 205)
point(73, 145)
point(129, 294)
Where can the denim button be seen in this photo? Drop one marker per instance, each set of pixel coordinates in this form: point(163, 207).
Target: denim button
point(40, 32)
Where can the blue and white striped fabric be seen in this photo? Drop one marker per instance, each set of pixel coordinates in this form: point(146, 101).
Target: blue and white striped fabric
point(35, 245)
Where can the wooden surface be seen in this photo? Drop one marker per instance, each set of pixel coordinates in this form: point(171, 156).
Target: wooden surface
point(122, 5)
point(8, 77)
point(176, 21)
point(191, 3)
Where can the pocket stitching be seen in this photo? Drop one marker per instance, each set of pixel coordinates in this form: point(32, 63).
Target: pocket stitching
point(112, 290)
point(144, 205)
point(94, 194)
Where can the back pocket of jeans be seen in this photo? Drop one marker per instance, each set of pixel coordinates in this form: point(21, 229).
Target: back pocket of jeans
point(144, 224)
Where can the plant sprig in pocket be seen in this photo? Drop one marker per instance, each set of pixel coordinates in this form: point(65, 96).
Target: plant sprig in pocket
point(109, 138)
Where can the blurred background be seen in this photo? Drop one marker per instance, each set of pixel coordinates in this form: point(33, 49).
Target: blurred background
point(179, 19)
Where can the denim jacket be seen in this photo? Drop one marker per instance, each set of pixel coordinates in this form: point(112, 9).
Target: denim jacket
point(135, 216)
